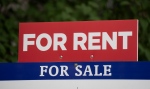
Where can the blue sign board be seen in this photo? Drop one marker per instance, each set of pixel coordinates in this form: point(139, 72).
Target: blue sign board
point(75, 75)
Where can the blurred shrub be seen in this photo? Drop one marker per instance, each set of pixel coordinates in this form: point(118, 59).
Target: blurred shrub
point(14, 11)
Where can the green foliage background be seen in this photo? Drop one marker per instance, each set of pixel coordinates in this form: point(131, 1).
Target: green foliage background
point(14, 11)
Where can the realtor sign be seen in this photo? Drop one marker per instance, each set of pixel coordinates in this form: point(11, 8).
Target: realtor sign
point(77, 55)
point(80, 41)
point(73, 75)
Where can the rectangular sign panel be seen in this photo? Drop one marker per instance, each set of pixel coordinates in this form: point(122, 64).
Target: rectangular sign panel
point(76, 84)
point(86, 75)
point(79, 41)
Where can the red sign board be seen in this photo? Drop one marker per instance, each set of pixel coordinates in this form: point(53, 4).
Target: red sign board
point(78, 41)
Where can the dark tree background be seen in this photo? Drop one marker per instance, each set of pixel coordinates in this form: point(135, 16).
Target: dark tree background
point(14, 11)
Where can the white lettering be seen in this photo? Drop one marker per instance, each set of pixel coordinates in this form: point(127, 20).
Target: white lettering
point(26, 42)
point(64, 71)
point(59, 43)
point(88, 70)
point(96, 71)
point(43, 70)
point(107, 70)
point(91, 40)
point(79, 43)
point(56, 70)
point(125, 38)
point(38, 42)
point(112, 42)
point(77, 69)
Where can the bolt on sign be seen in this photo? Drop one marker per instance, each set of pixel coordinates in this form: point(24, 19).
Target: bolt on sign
point(78, 41)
